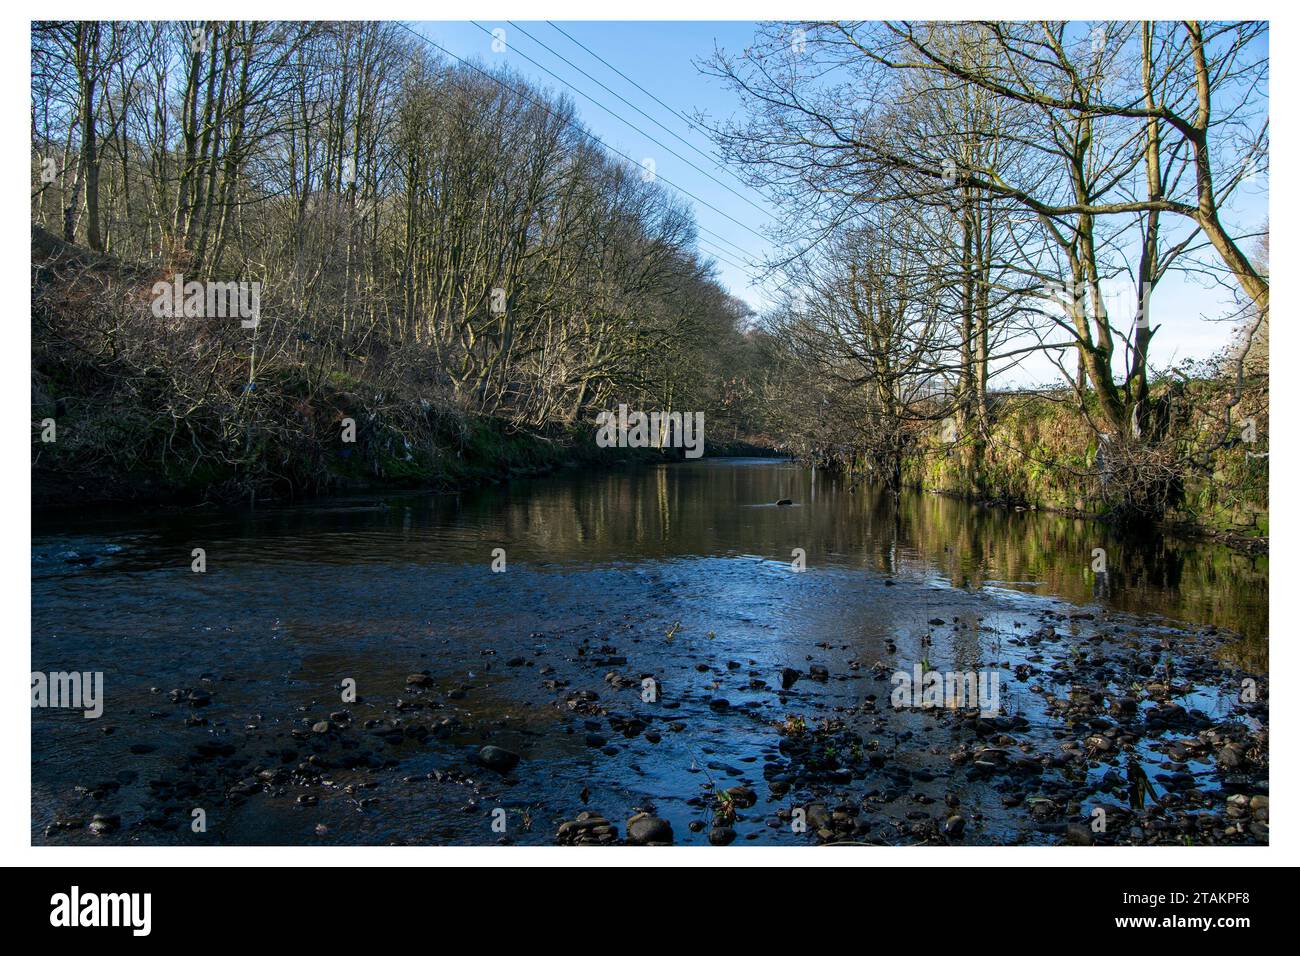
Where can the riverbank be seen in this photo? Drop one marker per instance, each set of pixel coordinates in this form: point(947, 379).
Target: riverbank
point(129, 408)
point(485, 453)
point(457, 453)
point(1041, 455)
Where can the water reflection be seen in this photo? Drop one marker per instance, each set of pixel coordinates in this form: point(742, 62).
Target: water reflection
point(718, 507)
point(681, 570)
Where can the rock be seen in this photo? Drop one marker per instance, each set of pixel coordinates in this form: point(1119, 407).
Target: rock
point(589, 829)
point(1231, 756)
point(1076, 834)
point(955, 826)
point(645, 830)
point(75, 823)
point(1125, 706)
point(1043, 810)
point(104, 823)
point(784, 501)
point(419, 680)
point(817, 816)
point(498, 759)
point(721, 836)
point(320, 727)
point(788, 677)
point(742, 797)
point(818, 673)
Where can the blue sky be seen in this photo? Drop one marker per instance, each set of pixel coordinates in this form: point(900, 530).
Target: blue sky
point(660, 56)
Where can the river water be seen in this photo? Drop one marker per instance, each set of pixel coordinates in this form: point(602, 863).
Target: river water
point(682, 572)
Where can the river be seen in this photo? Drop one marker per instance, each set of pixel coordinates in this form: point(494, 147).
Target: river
point(671, 594)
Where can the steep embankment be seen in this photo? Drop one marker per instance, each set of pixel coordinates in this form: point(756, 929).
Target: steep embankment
point(1212, 458)
point(127, 407)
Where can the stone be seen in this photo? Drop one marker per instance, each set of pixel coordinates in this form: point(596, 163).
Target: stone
point(646, 830)
point(498, 758)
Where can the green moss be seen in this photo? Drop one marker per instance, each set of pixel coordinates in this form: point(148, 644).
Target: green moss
point(1042, 453)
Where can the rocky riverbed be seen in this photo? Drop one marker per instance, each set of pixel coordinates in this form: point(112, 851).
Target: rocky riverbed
point(648, 668)
point(1110, 731)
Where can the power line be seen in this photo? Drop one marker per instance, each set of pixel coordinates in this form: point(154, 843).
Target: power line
point(624, 155)
point(587, 133)
point(718, 255)
point(631, 105)
point(690, 124)
point(685, 119)
point(670, 109)
point(720, 239)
